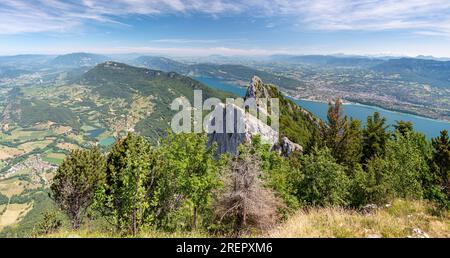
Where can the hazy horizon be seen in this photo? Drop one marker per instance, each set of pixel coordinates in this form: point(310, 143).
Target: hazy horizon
point(168, 55)
point(226, 27)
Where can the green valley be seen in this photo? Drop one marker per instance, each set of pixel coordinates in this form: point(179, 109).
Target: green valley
point(42, 122)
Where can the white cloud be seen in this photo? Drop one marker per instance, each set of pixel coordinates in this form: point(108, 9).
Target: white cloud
point(429, 17)
point(415, 15)
point(187, 41)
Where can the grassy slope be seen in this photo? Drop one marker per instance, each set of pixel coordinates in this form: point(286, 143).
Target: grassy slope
point(41, 203)
point(397, 221)
point(148, 234)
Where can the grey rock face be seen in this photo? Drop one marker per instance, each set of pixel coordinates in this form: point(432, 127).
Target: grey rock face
point(286, 147)
point(252, 126)
point(256, 89)
point(245, 126)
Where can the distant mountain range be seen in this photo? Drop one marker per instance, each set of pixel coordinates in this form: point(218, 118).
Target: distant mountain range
point(431, 71)
point(425, 69)
point(335, 61)
point(436, 73)
point(25, 61)
point(228, 72)
point(10, 72)
point(162, 64)
point(122, 96)
point(78, 60)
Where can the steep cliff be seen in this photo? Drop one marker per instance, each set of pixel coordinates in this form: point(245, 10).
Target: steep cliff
point(297, 127)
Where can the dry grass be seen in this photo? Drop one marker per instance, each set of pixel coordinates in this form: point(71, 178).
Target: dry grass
point(62, 129)
point(401, 219)
point(30, 146)
point(11, 187)
point(148, 234)
point(68, 146)
point(14, 213)
point(8, 152)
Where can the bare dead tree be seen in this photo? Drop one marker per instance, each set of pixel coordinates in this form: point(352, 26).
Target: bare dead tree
point(245, 203)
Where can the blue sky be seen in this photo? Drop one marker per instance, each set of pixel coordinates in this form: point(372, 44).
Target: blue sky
point(226, 27)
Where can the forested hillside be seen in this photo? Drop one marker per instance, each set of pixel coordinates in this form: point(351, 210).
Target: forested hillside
point(113, 80)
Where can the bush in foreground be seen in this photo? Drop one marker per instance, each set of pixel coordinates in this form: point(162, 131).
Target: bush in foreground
point(76, 181)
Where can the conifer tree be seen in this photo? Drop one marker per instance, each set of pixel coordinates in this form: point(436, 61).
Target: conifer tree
point(404, 127)
point(342, 136)
point(441, 159)
point(76, 181)
point(375, 137)
point(129, 178)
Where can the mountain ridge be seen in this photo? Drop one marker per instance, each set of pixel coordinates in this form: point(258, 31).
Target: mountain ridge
point(80, 59)
point(117, 80)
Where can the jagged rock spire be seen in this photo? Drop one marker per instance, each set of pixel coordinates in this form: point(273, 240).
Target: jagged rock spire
point(256, 89)
point(229, 142)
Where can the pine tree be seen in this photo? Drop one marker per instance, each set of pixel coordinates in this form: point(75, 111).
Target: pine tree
point(441, 159)
point(76, 181)
point(129, 179)
point(337, 123)
point(375, 137)
point(342, 136)
point(404, 127)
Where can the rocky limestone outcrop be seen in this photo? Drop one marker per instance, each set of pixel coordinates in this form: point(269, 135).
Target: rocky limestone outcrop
point(229, 142)
point(251, 126)
point(286, 147)
point(256, 89)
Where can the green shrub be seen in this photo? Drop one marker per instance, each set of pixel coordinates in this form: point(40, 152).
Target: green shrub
point(400, 174)
point(127, 193)
point(405, 163)
point(279, 173)
point(3, 199)
point(323, 182)
point(49, 224)
point(371, 185)
point(76, 182)
point(189, 175)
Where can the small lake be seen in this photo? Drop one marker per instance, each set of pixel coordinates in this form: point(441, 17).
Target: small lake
point(430, 127)
point(107, 141)
point(96, 132)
